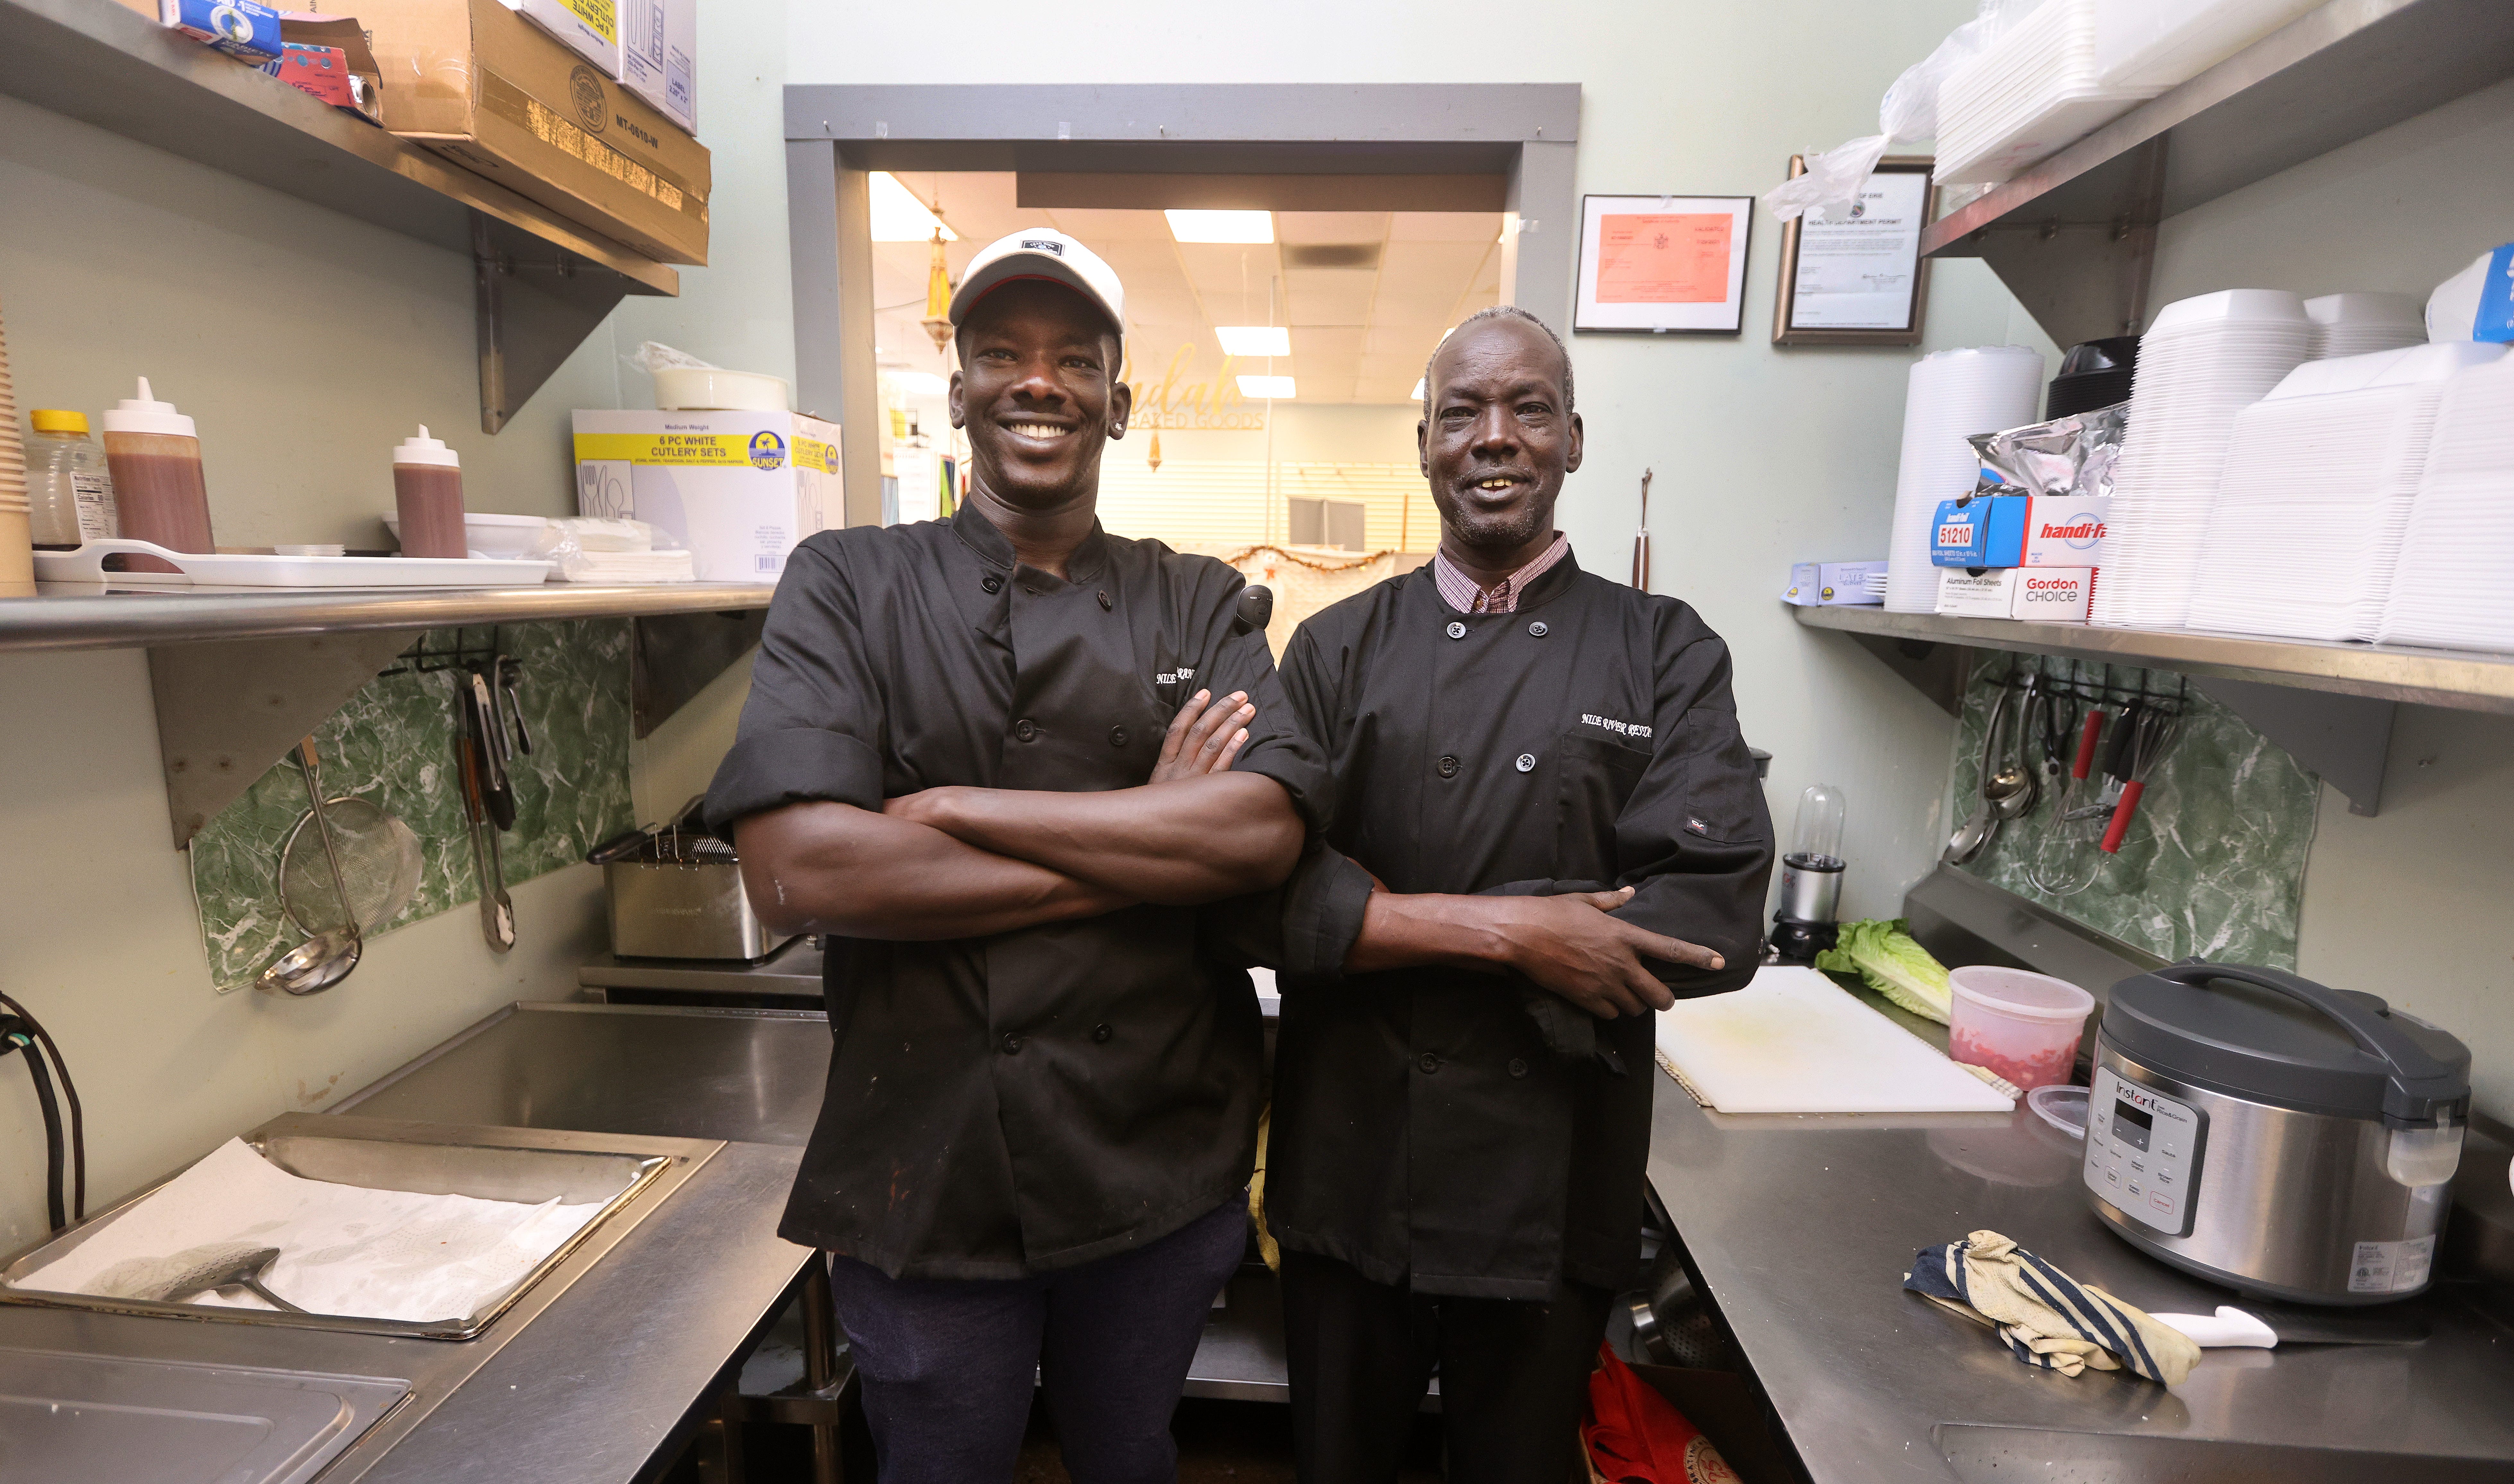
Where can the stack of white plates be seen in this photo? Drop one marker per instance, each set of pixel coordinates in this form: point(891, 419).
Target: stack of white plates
point(1949, 397)
point(2203, 362)
point(2361, 324)
point(2033, 90)
point(2318, 488)
point(2450, 588)
point(1877, 585)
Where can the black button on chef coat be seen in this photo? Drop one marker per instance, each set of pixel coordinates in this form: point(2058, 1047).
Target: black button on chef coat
point(1427, 1128)
point(1034, 1099)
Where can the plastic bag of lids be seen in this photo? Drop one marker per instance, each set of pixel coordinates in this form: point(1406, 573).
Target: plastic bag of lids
point(1908, 114)
point(623, 551)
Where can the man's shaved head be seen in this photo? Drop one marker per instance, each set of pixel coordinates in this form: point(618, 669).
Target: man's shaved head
point(1501, 311)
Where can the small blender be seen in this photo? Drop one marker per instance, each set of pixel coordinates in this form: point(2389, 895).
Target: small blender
point(1811, 878)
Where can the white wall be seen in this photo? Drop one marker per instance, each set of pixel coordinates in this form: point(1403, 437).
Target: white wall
point(2408, 904)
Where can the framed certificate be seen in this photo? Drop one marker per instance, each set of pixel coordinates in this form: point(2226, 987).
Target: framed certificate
point(1863, 281)
point(1663, 265)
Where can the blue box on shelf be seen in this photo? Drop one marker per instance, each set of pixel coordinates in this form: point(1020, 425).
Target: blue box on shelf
point(242, 29)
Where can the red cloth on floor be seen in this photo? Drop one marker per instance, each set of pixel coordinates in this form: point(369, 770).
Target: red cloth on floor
point(1636, 1436)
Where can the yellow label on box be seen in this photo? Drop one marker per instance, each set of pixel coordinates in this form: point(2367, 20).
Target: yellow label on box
point(724, 449)
point(813, 454)
point(601, 17)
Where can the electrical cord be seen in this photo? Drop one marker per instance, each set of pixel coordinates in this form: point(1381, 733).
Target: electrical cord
point(19, 1031)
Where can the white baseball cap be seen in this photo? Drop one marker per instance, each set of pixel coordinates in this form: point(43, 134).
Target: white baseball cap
point(1042, 254)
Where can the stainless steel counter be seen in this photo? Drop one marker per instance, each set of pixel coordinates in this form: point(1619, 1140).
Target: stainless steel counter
point(1803, 1226)
point(583, 1381)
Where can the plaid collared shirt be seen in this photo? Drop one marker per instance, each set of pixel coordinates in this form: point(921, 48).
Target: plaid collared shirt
point(1465, 594)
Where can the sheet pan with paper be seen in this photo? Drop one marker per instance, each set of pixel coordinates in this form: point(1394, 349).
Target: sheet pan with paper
point(343, 1249)
point(1792, 1041)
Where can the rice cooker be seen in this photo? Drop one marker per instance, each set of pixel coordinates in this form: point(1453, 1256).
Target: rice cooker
point(2274, 1135)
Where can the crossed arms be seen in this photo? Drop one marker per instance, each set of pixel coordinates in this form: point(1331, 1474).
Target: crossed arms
point(967, 862)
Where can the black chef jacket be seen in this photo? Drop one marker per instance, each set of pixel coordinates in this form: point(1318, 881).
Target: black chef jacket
point(1037, 1098)
point(1423, 1129)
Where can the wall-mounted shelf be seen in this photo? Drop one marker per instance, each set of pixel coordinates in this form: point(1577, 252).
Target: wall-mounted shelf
point(2329, 704)
point(542, 282)
point(2073, 236)
point(81, 616)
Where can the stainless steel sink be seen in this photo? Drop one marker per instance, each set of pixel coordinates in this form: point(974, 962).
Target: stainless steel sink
point(157, 1421)
point(1992, 1454)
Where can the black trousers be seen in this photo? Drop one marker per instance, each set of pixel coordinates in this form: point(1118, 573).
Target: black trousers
point(1514, 1376)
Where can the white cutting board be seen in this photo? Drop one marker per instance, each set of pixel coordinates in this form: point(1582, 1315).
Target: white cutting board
point(1792, 1041)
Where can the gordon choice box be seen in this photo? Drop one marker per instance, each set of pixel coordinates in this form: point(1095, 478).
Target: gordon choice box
point(2046, 594)
point(738, 488)
point(2021, 531)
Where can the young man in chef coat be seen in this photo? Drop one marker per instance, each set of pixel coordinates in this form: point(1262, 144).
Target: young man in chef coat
point(973, 753)
point(1545, 823)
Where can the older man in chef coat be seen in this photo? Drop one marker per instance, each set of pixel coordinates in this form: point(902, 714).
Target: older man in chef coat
point(1545, 823)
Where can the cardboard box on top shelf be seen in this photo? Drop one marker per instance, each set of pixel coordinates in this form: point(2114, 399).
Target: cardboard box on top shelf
point(590, 28)
point(659, 57)
point(470, 80)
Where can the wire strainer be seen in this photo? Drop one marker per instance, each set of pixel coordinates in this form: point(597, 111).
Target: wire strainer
point(380, 865)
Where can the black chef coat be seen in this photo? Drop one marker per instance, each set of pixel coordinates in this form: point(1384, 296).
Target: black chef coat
point(1030, 1100)
point(1423, 1129)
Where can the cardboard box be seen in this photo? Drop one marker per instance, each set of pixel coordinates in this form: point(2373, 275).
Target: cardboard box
point(590, 28)
point(659, 57)
point(472, 81)
point(738, 488)
point(2021, 531)
point(1833, 585)
point(244, 30)
point(2045, 594)
point(365, 83)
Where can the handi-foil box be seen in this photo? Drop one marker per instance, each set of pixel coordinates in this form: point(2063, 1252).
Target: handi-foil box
point(738, 488)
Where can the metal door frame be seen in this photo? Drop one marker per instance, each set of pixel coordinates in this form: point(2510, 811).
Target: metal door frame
point(1527, 133)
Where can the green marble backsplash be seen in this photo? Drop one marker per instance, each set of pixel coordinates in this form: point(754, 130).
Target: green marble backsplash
point(2213, 866)
point(394, 744)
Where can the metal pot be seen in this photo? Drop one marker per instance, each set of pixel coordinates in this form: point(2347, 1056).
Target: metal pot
point(2275, 1135)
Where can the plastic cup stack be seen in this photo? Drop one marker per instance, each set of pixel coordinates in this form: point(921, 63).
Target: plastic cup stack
point(2318, 488)
point(2448, 587)
point(1949, 397)
point(17, 531)
point(2202, 363)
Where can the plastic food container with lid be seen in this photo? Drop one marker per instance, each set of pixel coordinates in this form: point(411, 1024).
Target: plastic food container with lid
point(2024, 1027)
point(2275, 1135)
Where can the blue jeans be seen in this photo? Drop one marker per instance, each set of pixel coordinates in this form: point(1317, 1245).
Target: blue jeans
point(947, 1364)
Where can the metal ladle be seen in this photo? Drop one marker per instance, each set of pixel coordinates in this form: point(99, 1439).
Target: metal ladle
point(221, 1268)
point(2015, 789)
point(1975, 833)
point(326, 959)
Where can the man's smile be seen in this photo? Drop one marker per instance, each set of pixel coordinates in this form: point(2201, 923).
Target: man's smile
point(1038, 433)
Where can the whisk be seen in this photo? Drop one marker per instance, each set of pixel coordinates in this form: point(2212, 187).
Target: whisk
point(2073, 817)
point(2156, 729)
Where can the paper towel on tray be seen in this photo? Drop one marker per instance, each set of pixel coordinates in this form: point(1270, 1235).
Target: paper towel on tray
point(343, 1249)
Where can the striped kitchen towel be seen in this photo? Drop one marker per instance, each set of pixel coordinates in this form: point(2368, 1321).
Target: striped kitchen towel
point(2049, 1319)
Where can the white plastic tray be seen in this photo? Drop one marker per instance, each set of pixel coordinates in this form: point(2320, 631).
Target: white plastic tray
point(225, 570)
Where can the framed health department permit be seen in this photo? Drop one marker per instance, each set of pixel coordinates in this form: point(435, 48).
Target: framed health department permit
point(1663, 265)
point(1863, 281)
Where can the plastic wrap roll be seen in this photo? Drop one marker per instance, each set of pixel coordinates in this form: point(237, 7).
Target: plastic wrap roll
point(1950, 396)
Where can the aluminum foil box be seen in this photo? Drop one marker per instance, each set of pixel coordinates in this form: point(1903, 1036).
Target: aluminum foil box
point(2021, 531)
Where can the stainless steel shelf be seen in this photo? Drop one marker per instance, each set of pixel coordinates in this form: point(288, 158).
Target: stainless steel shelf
point(2436, 677)
point(544, 281)
point(82, 616)
point(2340, 73)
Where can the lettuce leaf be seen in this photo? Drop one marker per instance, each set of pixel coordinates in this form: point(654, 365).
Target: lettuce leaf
point(1884, 954)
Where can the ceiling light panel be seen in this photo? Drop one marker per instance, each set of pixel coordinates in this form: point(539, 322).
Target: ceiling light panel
point(1250, 342)
point(898, 216)
point(1267, 388)
point(1221, 227)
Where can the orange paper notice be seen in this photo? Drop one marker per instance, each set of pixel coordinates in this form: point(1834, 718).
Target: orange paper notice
point(1664, 259)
